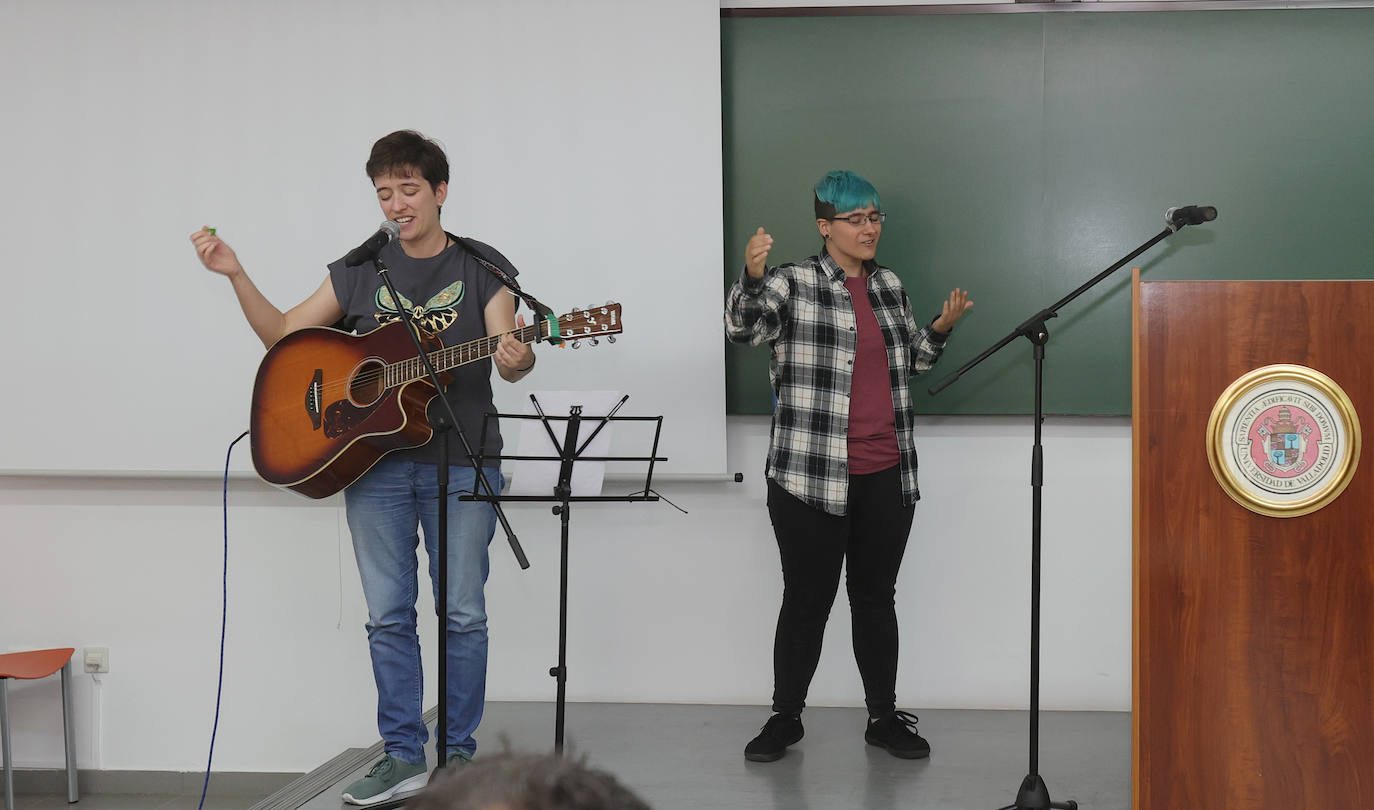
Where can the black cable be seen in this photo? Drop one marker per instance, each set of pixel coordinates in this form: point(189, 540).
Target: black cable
point(223, 621)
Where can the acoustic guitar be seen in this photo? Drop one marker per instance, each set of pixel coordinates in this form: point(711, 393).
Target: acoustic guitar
point(327, 404)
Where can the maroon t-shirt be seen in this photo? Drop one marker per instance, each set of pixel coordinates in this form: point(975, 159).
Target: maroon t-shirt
point(872, 430)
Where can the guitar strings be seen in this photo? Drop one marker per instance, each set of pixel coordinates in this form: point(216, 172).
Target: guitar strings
point(443, 359)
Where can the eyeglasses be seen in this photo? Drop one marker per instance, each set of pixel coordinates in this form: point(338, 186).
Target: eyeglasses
point(874, 217)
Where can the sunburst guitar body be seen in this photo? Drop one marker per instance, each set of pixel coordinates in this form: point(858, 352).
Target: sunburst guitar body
point(327, 405)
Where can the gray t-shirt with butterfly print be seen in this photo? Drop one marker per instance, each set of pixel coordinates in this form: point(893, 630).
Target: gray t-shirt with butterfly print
point(447, 294)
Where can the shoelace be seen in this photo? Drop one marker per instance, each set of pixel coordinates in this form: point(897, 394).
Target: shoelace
point(775, 721)
point(907, 719)
point(384, 764)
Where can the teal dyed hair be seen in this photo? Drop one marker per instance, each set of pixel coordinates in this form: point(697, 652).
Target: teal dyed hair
point(844, 191)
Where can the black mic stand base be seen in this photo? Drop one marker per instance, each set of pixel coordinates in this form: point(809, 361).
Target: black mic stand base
point(1033, 795)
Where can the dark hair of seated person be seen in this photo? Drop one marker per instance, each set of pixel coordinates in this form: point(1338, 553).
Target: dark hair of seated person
point(511, 781)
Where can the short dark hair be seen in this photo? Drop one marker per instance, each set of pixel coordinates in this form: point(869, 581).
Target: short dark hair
point(526, 782)
point(405, 151)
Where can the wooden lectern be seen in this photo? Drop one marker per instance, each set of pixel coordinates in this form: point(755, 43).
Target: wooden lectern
point(1253, 634)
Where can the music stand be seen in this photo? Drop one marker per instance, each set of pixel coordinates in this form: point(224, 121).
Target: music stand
point(569, 452)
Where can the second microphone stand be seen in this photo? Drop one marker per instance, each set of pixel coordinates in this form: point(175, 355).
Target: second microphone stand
point(1033, 794)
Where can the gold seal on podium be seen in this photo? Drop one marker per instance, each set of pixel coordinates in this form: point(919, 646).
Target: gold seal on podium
point(1283, 440)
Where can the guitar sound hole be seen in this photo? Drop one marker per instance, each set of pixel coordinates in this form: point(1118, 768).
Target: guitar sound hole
point(367, 386)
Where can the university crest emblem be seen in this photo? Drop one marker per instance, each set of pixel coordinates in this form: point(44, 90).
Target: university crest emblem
point(1283, 440)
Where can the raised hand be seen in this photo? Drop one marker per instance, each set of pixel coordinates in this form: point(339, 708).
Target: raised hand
point(215, 254)
point(954, 308)
point(756, 253)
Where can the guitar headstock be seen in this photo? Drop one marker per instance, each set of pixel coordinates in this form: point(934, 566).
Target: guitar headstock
point(591, 322)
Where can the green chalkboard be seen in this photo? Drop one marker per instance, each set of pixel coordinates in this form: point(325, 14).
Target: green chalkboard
point(1020, 154)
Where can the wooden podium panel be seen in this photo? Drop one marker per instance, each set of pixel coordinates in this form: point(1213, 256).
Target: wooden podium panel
point(1254, 635)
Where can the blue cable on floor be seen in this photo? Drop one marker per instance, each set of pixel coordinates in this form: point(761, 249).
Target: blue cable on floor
point(223, 621)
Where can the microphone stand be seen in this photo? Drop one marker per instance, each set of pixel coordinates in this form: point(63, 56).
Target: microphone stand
point(1033, 794)
point(442, 481)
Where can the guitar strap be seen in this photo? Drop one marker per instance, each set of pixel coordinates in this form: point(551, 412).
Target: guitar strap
point(540, 310)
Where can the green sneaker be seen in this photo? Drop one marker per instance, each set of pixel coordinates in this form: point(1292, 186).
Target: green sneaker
point(389, 777)
point(457, 758)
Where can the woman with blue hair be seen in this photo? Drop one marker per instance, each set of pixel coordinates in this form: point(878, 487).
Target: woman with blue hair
point(841, 465)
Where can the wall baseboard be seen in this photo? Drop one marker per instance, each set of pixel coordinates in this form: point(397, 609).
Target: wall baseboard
point(158, 783)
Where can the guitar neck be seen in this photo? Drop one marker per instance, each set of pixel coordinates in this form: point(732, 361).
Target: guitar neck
point(449, 357)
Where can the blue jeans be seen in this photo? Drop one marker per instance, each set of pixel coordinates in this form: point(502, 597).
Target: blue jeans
point(384, 508)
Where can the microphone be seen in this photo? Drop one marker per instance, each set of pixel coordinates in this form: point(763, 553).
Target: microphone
point(368, 250)
point(1189, 215)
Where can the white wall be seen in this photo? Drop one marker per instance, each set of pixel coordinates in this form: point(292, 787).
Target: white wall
point(584, 141)
point(663, 606)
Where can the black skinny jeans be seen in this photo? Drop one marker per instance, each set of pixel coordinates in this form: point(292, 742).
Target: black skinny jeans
point(814, 546)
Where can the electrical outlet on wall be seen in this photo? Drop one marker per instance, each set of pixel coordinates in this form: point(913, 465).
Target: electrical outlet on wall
point(97, 659)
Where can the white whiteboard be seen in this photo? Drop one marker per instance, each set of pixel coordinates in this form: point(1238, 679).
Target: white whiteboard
point(584, 143)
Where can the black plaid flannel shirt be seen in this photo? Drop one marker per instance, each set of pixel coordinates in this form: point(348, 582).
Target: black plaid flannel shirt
point(804, 313)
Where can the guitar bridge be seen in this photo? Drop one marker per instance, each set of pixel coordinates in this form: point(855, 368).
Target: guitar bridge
point(314, 395)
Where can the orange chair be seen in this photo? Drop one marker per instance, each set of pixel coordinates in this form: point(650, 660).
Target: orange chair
point(28, 666)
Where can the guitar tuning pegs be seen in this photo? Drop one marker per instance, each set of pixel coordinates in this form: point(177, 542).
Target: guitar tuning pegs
point(577, 344)
point(610, 338)
point(595, 341)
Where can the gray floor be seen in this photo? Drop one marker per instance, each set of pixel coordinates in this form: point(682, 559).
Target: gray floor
point(688, 757)
point(129, 802)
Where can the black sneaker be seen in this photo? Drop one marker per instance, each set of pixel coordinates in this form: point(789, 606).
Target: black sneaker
point(780, 731)
point(896, 731)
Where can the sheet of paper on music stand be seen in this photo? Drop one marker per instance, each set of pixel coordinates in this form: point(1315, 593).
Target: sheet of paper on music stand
point(539, 477)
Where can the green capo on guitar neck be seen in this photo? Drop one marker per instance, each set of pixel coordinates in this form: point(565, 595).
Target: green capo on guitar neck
point(554, 336)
